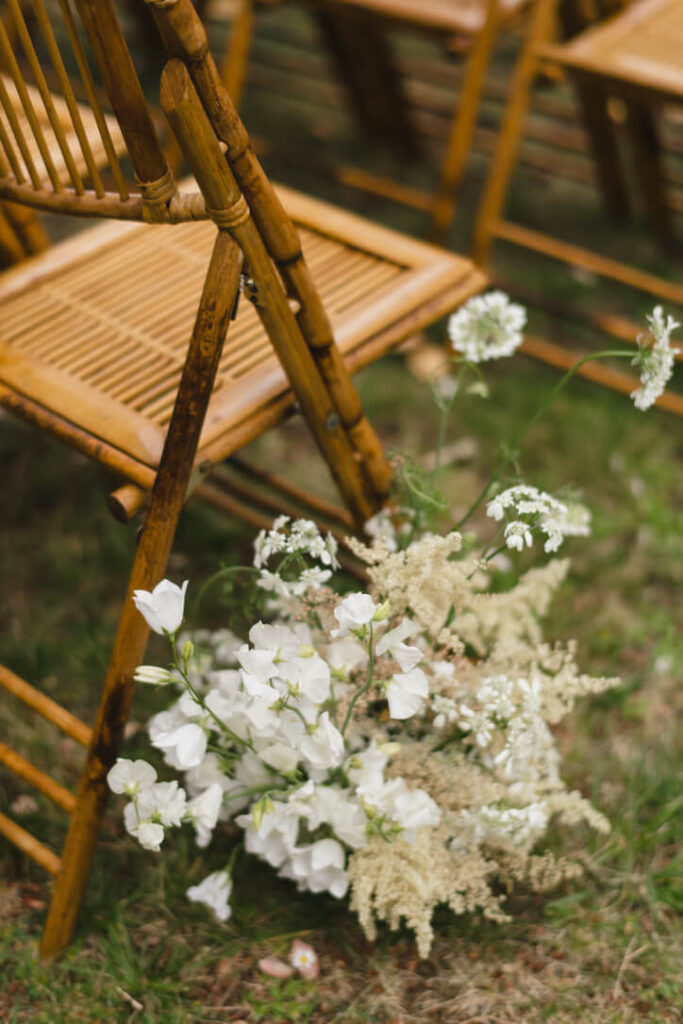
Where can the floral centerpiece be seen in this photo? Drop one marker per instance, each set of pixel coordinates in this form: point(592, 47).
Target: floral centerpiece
point(393, 744)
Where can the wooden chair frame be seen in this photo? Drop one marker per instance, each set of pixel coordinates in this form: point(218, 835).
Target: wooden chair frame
point(540, 51)
point(256, 248)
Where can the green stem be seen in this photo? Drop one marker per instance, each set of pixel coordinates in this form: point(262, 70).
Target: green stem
point(225, 571)
point(368, 684)
point(233, 737)
point(515, 446)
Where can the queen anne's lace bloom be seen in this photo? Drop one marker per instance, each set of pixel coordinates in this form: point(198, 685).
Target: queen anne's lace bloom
point(537, 510)
point(655, 359)
point(487, 327)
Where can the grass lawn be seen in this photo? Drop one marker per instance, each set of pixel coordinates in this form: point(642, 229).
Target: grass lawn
point(604, 950)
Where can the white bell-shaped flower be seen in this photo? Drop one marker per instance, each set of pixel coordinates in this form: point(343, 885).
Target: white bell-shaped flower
point(130, 777)
point(406, 693)
point(354, 613)
point(323, 748)
point(163, 608)
point(214, 892)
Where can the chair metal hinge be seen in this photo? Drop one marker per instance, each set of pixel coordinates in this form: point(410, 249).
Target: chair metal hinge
point(250, 288)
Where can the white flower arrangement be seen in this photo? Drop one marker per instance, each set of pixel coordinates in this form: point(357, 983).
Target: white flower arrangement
point(394, 744)
point(327, 756)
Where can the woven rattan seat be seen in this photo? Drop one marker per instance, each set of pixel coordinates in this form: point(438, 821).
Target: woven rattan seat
point(68, 340)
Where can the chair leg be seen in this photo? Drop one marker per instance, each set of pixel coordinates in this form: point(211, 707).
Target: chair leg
point(462, 127)
point(236, 59)
point(28, 227)
point(215, 308)
point(11, 249)
point(601, 137)
point(365, 64)
point(505, 154)
point(642, 128)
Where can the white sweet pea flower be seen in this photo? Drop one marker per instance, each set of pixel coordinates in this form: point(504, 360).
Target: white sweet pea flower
point(183, 747)
point(164, 802)
point(214, 892)
point(345, 654)
point(354, 613)
point(415, 809)
point(203, 811)
point(258, 663)
point(280, 757)
point(366, 767)
point(149, 834)
point(392, 643)
point(309, 676)
point(211, 773)
point(324, 747)
point(162, 608)
point(275, 838)
point(319, 867)
point(406, 693)
point(130, 777)
point(408, 808)
point(331, 805)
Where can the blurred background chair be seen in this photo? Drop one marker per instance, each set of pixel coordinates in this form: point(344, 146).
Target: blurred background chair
point(114, 341)
point(358, 38)
point(627, 70)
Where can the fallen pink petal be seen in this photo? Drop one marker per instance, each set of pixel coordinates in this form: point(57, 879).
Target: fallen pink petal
point(275, 968)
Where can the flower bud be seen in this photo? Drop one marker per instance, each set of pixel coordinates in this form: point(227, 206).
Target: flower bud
point(389, 749)
point(187, 651)
point(381, 612)
point(370, 811)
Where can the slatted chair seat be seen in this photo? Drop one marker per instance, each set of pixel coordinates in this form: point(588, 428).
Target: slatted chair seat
point(101, 325)
point(639, 50)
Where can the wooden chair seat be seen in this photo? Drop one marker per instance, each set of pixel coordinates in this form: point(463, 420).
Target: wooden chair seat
point(466, 17)
point(640, 47)
point(11, 101)
point(96, 329)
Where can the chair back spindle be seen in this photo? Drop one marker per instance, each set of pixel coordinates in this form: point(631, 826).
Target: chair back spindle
point(57, 151)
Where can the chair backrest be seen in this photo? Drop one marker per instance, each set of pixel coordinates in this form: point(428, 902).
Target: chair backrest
point(234, 192)
point(61, 68)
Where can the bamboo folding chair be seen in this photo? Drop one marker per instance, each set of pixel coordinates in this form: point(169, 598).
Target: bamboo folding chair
point(94, 345)
point(635, 54)
point(355, 32)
